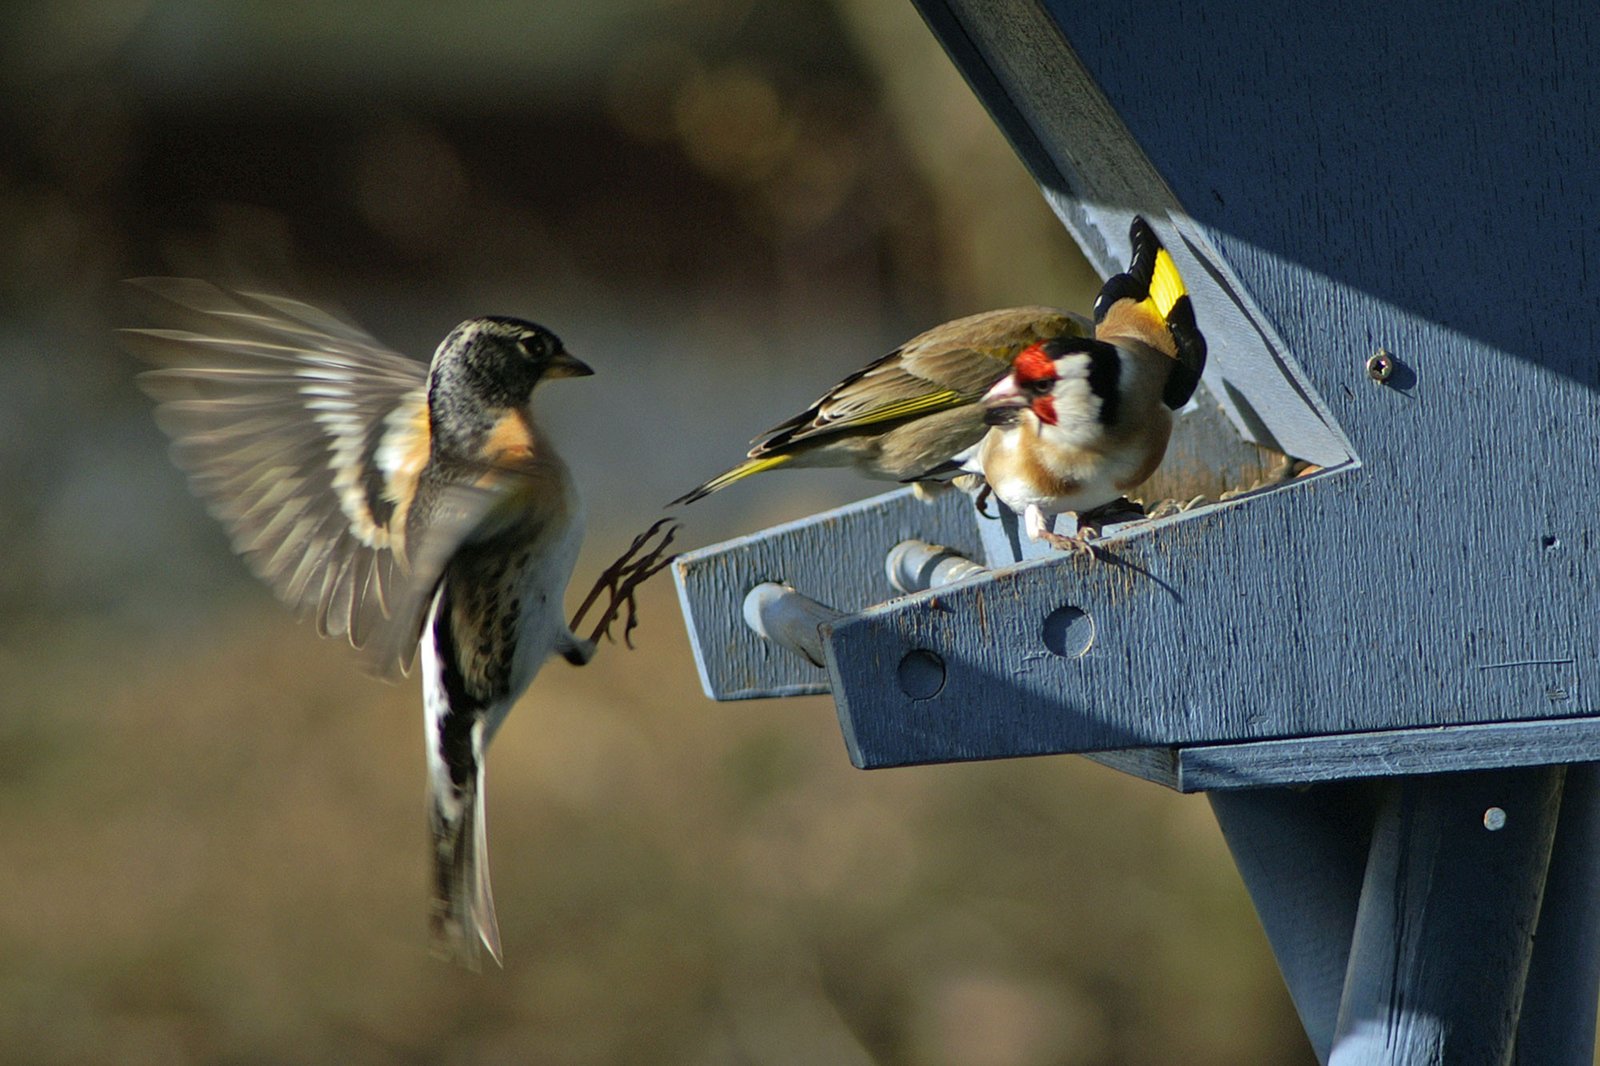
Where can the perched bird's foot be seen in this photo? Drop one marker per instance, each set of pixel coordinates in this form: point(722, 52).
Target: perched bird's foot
point(982, 498)
point(1120, 509)
point(1075, 542)
point(622, 580)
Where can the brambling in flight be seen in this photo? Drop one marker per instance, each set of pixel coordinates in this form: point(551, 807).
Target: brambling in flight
point(417, 510)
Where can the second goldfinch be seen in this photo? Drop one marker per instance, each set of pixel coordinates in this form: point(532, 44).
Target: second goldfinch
point(1078, 422)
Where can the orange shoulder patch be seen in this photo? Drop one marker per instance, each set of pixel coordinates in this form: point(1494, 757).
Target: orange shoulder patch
point(511, 442)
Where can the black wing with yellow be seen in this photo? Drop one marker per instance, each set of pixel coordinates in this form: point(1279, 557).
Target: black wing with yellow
point(1150, 299)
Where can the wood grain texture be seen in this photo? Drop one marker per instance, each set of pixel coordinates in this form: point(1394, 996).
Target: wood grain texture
point(1444, 931)
point(1331, 183)
point(1346, 204)
point(836, 558)
point(1382, 753)
point(1096, 175)
point(1209, 628)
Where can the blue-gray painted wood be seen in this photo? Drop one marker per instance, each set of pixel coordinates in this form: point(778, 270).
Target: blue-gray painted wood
point(1444, 930)
point(1207, 631)
point(835, 558)
point(1392, 594)
point(1329, 184)
point(838, 559)
point(1095, 175)
point(1558, 1007)
point(1348, 756)
point(1302, 854)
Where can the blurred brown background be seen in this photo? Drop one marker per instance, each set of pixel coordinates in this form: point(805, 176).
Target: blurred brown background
point(212, 823)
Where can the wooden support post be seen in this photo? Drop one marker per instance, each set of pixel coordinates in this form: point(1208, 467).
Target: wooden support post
point(1302, 853)
point(1444, 933)
point(1558, 1008)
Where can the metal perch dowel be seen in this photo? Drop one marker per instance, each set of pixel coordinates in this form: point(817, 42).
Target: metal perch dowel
point(916, 566)
point(782, 615)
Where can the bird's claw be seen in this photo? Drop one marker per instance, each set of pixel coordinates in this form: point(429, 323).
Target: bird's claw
point(622, 580)
point(983, 497)
point(1081, 541)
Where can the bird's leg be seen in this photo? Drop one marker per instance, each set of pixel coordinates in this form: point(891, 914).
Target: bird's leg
point(1033, 521)
point(1077, 542)
point(622, 580)
point(576, 650)
point(1090, 521)
point(984, 493)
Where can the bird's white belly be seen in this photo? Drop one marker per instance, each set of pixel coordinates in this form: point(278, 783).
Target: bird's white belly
point(1021, 493)
point(1020, 484)
point(542, 624)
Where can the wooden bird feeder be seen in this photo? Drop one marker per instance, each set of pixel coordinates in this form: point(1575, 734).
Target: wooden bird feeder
point(1377, 654)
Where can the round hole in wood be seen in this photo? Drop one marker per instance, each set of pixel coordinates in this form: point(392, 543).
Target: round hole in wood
point(1068, 632)
point(921, 674)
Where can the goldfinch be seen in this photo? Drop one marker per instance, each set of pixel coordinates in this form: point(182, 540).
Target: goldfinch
point(906, 415)
point(403, 506)
point(1077, 422)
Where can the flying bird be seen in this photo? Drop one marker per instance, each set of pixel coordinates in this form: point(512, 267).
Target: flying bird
point(1079, 421)
point(417, 510)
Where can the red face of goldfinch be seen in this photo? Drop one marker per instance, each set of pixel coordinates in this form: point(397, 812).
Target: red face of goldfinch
point(1035, 383)
point(1028, 386)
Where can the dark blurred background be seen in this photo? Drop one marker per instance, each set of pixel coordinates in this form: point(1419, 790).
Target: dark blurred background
point(212, 822)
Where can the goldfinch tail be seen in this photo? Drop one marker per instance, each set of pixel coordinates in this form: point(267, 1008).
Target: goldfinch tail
point(1158, 310)
point(462, 915)
point(738, 473)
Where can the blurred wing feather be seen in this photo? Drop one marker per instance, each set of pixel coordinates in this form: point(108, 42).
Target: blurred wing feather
point(292, 426)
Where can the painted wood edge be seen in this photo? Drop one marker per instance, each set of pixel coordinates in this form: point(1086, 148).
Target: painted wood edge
point(1302, 854)
point(1385, 753)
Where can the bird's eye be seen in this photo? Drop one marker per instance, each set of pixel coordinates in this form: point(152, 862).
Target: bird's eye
point(534, 346)
point(1040, 386)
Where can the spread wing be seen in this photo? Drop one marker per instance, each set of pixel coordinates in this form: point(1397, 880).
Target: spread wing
point(305, 437)
point(949, 366)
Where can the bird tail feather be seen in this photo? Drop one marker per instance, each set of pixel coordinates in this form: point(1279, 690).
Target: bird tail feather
point(728, 477)
point(462, 915)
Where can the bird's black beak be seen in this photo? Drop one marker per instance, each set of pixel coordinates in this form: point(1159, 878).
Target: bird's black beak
point(565, 365)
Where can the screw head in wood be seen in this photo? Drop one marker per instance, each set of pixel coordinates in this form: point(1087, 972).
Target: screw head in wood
point(1380, 367)
point(1494, 819)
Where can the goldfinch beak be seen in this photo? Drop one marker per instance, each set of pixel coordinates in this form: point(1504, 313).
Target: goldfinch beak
point(1003, 402)
point(564, 365)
